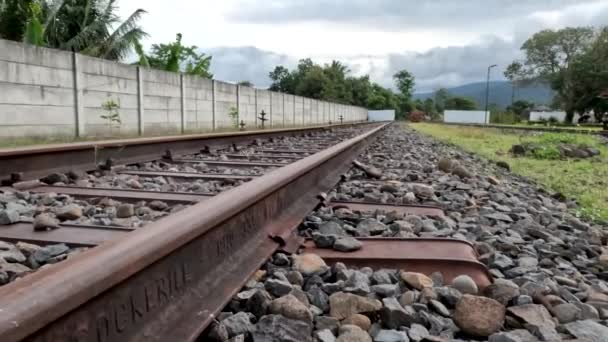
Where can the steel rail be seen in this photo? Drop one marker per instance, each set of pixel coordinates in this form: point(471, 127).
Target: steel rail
point(39, 161)
point(178, 271)
point(451, 257)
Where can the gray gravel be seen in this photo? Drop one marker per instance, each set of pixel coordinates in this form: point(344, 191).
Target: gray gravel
point(550, 267)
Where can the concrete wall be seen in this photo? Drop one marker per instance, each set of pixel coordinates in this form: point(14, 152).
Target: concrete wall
point(466, 116)
point(47, 92)
point(381, 115)
point(536, 116)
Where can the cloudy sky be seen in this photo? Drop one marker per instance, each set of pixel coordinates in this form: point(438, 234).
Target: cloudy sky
point(443, 43)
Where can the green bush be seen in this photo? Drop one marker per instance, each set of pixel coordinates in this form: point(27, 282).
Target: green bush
point(549, 152)
point(553, 120)
point(508, 118)
point(547, 145)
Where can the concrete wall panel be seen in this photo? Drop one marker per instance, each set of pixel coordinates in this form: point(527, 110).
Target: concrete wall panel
point(289, 118)
point(247, 110)
point(34, 115)
point(31, 55)
point(98, 66)
point(11, 72)
point(36, 95)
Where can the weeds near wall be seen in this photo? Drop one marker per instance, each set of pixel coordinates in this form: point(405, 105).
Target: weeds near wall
point(112, 115)
point(234, 116)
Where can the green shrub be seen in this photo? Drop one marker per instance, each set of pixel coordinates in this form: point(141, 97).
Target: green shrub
point(234, 116)
point(508, 118)
point(549, 152)
point(112, 115)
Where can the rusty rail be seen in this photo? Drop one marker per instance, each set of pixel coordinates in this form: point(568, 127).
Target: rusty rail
point(180, 270)
point(38, 161)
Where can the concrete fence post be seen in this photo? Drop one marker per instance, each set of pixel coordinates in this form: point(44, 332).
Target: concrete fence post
point(283, 114)
point(79, 126)
point(294, 111)
point(270, 106)
point(140, 102)
point(213, 105)
point(318, 110)
point(255, 94)
point(238, 104)
point(182, 94)
point(303, 111)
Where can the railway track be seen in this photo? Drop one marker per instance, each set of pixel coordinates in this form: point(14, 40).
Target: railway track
point(225, 205)
point(185, 264)
point(176, 266)
point(288, 235)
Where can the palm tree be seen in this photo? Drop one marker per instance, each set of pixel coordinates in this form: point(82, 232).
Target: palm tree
point(143, 59)
point(96, 39)
point(90, 27)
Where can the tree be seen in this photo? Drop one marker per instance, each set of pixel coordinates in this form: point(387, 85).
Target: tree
point(143, 59)
point(515, 73)
point(337, 88)
point(460, 103)
point(590, 77)
point(90, 27)
point(441, 95)
point(334, 82)
point(104, 42)
point(549, 57)
point(246, 84)
point(176, 57)
point(360, 89)
point(405, 83)
point(520, 107)
point(13, 13)
point(429, 106)
point(34, 31)
point(282, 80)
point(314, 84)
point(381, 98)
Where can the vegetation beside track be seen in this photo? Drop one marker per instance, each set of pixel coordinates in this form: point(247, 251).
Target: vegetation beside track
point(584, 128)
point(585, 180)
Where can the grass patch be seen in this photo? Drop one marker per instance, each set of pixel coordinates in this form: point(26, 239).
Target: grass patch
point(586, 180)
point(560, 126)
point(553, 146)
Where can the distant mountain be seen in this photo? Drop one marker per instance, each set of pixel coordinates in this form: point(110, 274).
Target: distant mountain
point(500, 93)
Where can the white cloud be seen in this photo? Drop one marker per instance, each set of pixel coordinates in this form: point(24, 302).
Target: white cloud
point(443, 42)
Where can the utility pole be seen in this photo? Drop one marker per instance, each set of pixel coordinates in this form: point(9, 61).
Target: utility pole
point(488, 92)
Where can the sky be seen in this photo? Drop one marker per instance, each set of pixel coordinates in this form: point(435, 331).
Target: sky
point(444, 43)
